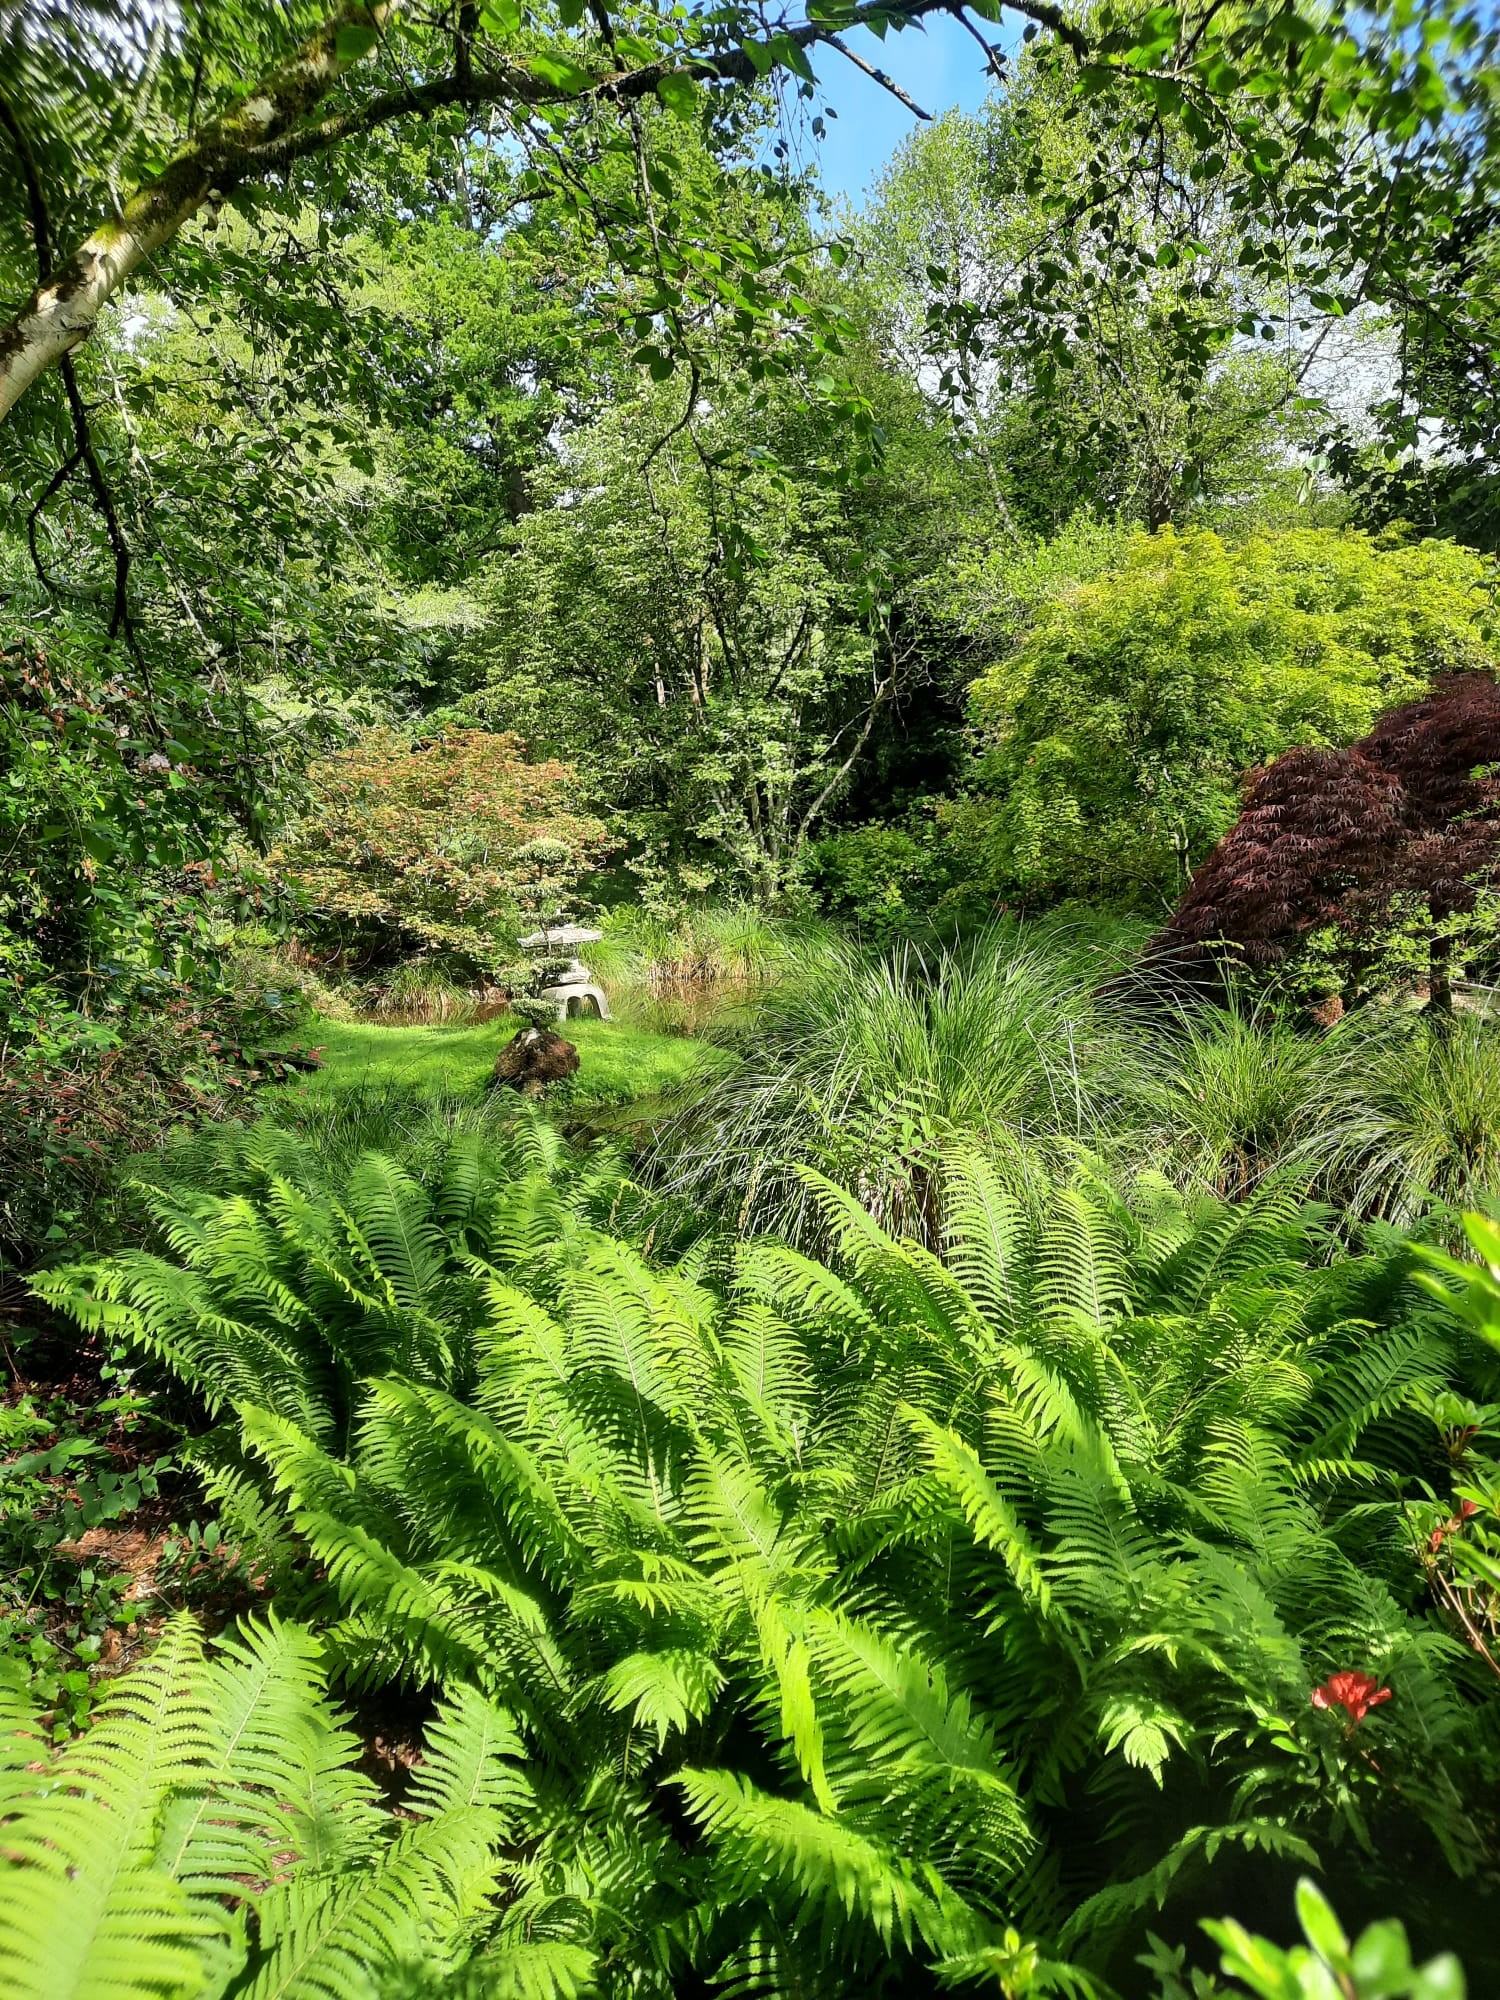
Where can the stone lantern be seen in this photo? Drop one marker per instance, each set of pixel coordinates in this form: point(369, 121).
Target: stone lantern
point(574, 989)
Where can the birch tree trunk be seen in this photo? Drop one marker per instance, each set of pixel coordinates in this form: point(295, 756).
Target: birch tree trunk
point(64, 309)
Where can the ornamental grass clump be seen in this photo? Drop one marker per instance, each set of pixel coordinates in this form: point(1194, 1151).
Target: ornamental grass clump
point(864, 1067)
point(1218, 1097)
point(1408, 1114)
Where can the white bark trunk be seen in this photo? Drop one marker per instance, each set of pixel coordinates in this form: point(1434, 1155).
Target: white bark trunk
point(64, 311)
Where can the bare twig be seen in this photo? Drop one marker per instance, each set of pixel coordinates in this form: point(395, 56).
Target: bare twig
point(54, 485)
point(880, 77)
point(994, 59)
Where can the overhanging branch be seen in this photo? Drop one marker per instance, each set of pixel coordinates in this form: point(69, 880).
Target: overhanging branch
point(268, 131)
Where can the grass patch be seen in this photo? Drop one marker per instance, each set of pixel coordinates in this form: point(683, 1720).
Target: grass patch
point(618, 1064)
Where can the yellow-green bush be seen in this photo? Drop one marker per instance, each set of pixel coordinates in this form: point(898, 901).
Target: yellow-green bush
point(1114, 736)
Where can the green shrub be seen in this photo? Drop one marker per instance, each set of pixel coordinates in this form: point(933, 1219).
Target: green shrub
point(535, 1013)
point(880, 878)
point(78, 1096)
point(1115, 735)
point(1377, 1965)
point(448, 847)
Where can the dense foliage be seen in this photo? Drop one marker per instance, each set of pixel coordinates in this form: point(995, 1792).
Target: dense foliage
point(1116, 734)
point(448, 848)
point(717, 645)
point(857, 1616)
point(1393, 842)
point(926, 1462)
point(211, 1834)
point(254, 1719)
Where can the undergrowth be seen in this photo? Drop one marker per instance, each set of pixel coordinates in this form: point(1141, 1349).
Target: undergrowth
point(900, 1619)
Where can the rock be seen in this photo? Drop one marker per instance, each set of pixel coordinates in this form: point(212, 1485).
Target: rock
point(572, 998)
point(534, 1058)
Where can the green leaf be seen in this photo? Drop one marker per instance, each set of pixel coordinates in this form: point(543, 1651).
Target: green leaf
point(354, 40)
point(793, 57)
point(1381, 1959)
point(559, 71)
point(1320, 1926)
point(678, 94)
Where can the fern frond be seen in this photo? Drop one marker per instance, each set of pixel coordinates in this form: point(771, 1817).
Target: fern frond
point(471, 1758)
point(87, 1910)
point(830, 1871)
point(991, 1519)
point(334, 1936)
point(1101, 1915)
point(1080, 1261)
point(663, 1691)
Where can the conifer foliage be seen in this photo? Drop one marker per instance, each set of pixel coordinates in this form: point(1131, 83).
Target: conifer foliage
point(902, 1620)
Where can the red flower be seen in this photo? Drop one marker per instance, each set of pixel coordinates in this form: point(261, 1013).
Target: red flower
point(1353, 1692)
point(1467, 1509)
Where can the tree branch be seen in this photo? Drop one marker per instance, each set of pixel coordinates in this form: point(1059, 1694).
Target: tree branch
point(36, 202)
point(267, 132)
point(994, 59)
point(119, 617)
point(883, 692)
point(54, 485)
point(65, 306)
point(879, 75)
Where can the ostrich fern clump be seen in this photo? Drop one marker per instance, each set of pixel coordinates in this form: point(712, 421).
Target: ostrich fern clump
point(211, 1837)
point(922, 1617)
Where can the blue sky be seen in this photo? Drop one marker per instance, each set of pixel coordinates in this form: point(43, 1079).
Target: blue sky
point(940, 67)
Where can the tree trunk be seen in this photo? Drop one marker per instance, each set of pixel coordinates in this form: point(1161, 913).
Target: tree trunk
point(63, 311)
point(1439, 975)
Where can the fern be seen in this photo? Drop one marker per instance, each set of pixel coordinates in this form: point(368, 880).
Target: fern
point(209, 1836)
point(803, 1626)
